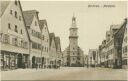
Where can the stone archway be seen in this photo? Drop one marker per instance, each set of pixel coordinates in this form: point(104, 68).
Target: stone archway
point(19, 61)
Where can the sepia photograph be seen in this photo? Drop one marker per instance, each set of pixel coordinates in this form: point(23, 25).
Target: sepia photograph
point(49, 40)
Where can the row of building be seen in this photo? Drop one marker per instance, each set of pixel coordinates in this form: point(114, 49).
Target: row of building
point(25, 41)
point(113, 52)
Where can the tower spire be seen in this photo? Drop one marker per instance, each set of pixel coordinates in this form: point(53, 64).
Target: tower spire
point(73, 18)
point(73, 21)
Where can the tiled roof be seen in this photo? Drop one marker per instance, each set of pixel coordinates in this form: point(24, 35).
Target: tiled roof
point(3, 6)
point(29, 15)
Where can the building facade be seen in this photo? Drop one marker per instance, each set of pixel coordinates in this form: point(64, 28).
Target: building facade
point(25, 40)
point(74, 54)
point(110, 46)
point(65, 60)
point(53, 51)
point(45, 43)
point(59, 52)
point(102, 53)
point(14, 40)
point(125, 48)
point(86, 61)
point(93, 57)
point(113, 51)
point(121, 46)
point(32, 25)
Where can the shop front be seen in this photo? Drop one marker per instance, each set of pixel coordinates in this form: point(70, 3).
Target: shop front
point(12, 60)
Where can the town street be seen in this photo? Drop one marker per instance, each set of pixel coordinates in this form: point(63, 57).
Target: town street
point(65, 73)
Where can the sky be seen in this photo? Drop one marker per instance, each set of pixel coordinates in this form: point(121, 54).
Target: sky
point(93, 20)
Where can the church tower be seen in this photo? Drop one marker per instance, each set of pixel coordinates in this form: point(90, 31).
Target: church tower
point(73, 55)
point(73, 38)
point(73, 42)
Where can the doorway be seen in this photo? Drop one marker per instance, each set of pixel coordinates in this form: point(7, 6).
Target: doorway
point(19, 61)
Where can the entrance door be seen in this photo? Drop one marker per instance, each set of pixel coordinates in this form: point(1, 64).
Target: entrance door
point(33, 61)
point(19, 61)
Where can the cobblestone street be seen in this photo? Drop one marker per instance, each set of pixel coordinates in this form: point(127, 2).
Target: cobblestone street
point(67, 73)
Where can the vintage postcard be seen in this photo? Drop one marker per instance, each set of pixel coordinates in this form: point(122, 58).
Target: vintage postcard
point(63, 40)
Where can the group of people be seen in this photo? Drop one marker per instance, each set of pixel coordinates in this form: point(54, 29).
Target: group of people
point(45, 66)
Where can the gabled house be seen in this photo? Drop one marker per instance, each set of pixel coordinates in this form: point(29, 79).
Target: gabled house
point(113, 53)
point(120, 43)
point(125, 46)
point(14, 40)
point(32, 25)
point(45, 42)
point(53, 50)
point(93, 57)
point(59, 52)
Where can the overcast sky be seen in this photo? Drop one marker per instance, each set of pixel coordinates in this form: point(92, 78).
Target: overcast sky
point(92, 22)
